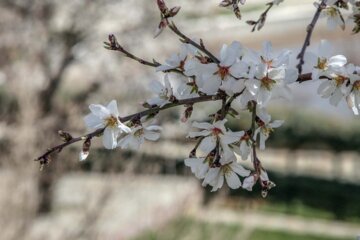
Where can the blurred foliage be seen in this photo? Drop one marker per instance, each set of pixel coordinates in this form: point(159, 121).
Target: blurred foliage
point(186, 228)
point(276, 235)
point(303, 130)
point(310, 197)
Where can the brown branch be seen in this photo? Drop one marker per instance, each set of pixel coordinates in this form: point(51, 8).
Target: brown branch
point(114, 45)
point(261, 21)
point(45, 158)
point(186, 39)
point(309, 30)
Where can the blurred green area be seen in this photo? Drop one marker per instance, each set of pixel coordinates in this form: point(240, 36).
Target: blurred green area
point(308, 197)
point(190, 229)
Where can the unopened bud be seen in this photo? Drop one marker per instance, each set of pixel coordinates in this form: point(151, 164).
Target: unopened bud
point(251, 22)
point(173, 11)
point(162, 6)
point(65, 136)
point(225, 3)
point(85, 149)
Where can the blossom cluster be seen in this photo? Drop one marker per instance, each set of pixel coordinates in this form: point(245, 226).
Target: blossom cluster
point(238, 76)
point(338, 80)
point(335, 17)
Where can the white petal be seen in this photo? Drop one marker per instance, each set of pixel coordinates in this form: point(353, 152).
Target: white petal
point(245, 150)
point(152, 136)
point(239, 69)
point(123, 127)
point(324, 48)
point(110, 138)
point(239, 169)
point(156, 87)
point(203, 133)
point(207, 144)
point(263, 97)
point(153, 128)
point(248, 183)
point(83, 155)
point(93, 122)
point(336, 97)
point(232, 180)
point(202, 125)
point(113, 109)
point(291, 75)
point(276, 123)
point(337, 61)
point(99, 110)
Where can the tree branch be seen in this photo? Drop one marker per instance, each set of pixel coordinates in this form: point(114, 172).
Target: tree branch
point(186, 39)
point(309, 30)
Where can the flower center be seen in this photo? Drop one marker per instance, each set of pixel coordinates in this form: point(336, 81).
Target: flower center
point(340, 80)
point(267, 82)
point(164, 94)
point(216, 131)
point(322, 63)
point(268, 63)
point(139, 132)
point(111, 121)
point(226, 169)
point(331, 12)
point(357, 85)
point(223, 72)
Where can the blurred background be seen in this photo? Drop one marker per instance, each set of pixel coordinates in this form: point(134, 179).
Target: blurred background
point(53, 65)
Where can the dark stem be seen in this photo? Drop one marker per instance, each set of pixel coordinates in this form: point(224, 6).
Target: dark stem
point(147, 112)
point(186, 39)
point(309, 30)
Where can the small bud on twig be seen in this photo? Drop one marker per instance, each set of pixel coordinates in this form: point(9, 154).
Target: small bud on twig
point(65, 136)
point(85, 149)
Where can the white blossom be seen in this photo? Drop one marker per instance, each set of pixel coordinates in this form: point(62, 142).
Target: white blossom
point(138, 135)
point(226, 74)
point(333, 15)
point(322, 62)
point(176, 60)
point(353, 99)
point(230, 171)
point(213, 134)
point(164, 92)
point(108, 118)
point(199, 166)
point(265, 129)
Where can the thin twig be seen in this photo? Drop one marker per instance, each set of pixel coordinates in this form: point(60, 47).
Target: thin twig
point(186, 39)
point(261, 21)
point(309, 30)
point(147, 112)
point(114, 45)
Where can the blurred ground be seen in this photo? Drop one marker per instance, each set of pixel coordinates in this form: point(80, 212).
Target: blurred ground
point(52, 65)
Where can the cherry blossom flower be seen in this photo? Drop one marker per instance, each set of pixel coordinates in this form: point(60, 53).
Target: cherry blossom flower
point(270, 83)
point(243, 146)
point(230, 171)
point(138, 135)
point(249, 182)
point(199, 166)
point(267, 57)
point(226, 73)
point(336, 87)
point(164, 92)
point(213, 134)
point(353, 98)
point(265, 129)
point(108, 118)
point(322, 62)
point(333, 15)
point(176, 60)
